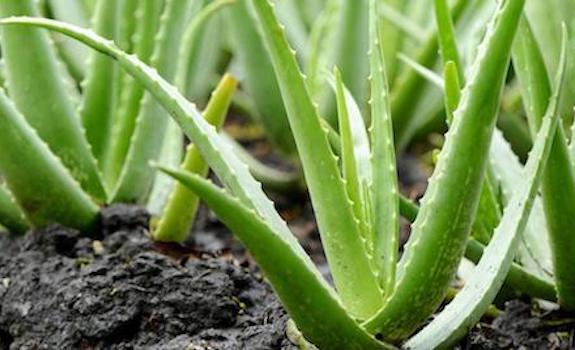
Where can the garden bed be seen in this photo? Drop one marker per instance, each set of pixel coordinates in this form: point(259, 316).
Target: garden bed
point(116, 290)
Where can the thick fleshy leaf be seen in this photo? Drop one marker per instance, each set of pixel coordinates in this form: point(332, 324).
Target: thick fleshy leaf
point(441, 229)
point(351, 45)
point(488, 277)
point(207, 47)
point(260, 79)
point(35, 83)
point(137, 176)
point(534, 249)
point(341, 237)
point(446, 35)
point(307, 297)
point(180, 212)
point(558, 185)
point(217, 152)
point(41, 185)
point(355, 156)
point(384, 187)
point(148, 21)
point(409, 86)
point(11, 216)
point(73, 53)
point(99, 87)
point(173, 144)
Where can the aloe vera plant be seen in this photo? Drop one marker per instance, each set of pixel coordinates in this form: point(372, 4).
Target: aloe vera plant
point(376, 302)
point(60, 140)
point(371, 302)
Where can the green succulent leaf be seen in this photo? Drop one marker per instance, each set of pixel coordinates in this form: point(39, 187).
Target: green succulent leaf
point(137, 176)
point(558, 188)
point(534, 250)
point(440, 232)
point(355, 156)
point(518, 277)
point(446, 36)
point(35, 81)
point(11, 216)
point(349, 264)
point(408, 86)
point(41, 185)
point(178, 216)
point(73, 53)
point(384, 187)
point(260, 80)
point(99, 92)
point(131, 92)
point(322, 45)
point(206, 46)
point(173, 144)
point(216, 151)
point(488, 277)
point(310, 301)
point(352, 44)
point(402, 22)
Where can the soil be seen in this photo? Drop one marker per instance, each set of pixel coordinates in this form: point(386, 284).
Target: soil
point(59, 290)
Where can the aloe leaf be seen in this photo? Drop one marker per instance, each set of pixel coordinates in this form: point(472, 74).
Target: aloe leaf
point(309, 300)
point(321, 50)
point(180, 211)
point(192, 59)
point(99, 93)
point(355, 155)
point(173, 144)
point(408, 86)
point(546, 20)
point(74, 54)
point(11, 216)
point(272, 179)
point(534, 250)
point(35, 84)
point(452, 89)
point(395, 38)
point(148, 18)
point(518, 277)
point(572, 143)
point(341, 237)
point(260, 80)
point(558, 188)
point(41, 185)
point(423, 71)
point(216, 151)
point(446, 35)
point(171, 155)
point(488, 214)
point(440, 232)
point(137, 176)
point(404, 23)
point(384, 187)
point(207, 48)
point(488, 277)
point(127, 27)
point(296, 30)
point(351, 45)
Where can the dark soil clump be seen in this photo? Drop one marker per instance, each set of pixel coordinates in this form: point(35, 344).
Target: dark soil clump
point(522, 326)
point(59, 290)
